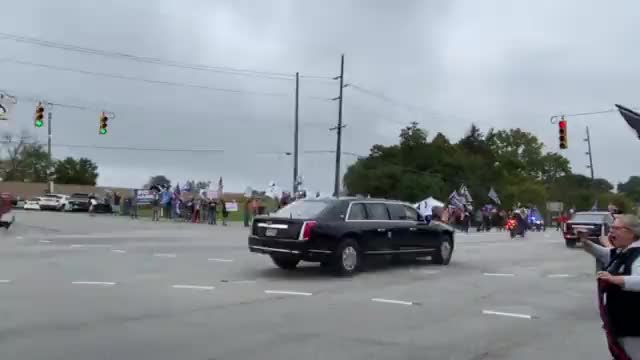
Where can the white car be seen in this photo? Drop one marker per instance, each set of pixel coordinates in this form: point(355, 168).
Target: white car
point(56, 202)
point(32, 204)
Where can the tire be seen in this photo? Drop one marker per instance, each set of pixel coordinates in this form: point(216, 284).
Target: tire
point(347, 258)
point(570, 243)
point(285, 262)
point(444, 252)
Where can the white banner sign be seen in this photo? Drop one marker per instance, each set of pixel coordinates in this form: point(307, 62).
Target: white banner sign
point(231, 206)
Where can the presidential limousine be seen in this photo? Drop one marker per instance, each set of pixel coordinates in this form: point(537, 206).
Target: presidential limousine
point(339, 233)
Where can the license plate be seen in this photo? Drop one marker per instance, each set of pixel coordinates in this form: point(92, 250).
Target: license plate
point(271, 232)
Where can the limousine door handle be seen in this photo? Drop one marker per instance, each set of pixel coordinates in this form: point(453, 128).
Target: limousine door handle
point(412, 229)
point(382, 230)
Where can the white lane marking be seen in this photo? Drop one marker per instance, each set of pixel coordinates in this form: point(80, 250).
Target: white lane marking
point(389, 301)
point(500, 313)
point(220, 260)
point(89, 246)
point(118, 251)
point(165, 255)
point(5, 281)
point(284, 292)
point(19, 238)
point(498, 274)
point(101, 283)
point(45, 241)
point(193, 287)
point(559, 276)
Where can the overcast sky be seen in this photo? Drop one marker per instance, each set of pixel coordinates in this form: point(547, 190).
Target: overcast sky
point(497, 63)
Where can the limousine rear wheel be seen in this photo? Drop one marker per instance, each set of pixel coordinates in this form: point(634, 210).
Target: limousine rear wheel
point(347, 257)
point(444, 251)
point(285, 262)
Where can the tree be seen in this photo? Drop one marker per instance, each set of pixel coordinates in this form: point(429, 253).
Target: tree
point(631, 188)
point(511, 161)
point(78, 172)
point(158, 180)
point(26, 160)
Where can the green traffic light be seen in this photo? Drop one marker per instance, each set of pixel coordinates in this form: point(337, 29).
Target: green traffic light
point(103, 131)
point(39, 123)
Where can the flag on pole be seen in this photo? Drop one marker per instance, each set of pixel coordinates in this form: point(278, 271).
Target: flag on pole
point(464, 192)
point(456, 200)
point(493, 195)
point(631, 117)
point(220, 188)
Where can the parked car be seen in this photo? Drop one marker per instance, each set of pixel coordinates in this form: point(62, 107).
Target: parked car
point(57, 202)
point(596, 223)
point(32, 204)
point(79, 202)
point(339, 233)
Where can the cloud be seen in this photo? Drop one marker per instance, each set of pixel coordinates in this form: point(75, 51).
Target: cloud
point(497, 64)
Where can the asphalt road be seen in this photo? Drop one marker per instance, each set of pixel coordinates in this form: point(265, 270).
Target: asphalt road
point(76, 288)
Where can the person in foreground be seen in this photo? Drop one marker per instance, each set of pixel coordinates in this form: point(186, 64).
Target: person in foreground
point(619, 286)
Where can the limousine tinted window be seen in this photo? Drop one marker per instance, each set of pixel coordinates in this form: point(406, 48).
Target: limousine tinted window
point(302, 209)
point(357, 212)
point(377, 211)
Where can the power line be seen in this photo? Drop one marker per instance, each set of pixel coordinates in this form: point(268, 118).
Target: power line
point(140, 79)
point(154, 60)
point(166, 149)
point(384, 97)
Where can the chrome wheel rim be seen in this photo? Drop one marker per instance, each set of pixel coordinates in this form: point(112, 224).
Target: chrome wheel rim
point(445, 250)
point(349, 258)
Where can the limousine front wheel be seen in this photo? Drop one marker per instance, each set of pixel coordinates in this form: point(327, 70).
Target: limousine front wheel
point(444, 252)
point(285, 262)
point(347, 257)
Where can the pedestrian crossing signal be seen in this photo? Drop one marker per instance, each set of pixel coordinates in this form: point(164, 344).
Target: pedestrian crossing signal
point(562, 130)
point(38, 119)
point(103, 123)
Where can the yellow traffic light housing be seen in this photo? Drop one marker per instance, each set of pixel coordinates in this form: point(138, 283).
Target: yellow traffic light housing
point(562, 130)
point(104, 119)
point(38, 119)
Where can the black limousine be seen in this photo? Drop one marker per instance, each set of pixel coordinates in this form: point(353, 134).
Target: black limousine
point(339, 233)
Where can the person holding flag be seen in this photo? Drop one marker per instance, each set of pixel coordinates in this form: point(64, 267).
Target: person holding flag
point(619, 285)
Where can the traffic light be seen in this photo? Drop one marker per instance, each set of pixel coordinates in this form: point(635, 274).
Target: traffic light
point(103, 123)
point(38, 119)
point(562, 130)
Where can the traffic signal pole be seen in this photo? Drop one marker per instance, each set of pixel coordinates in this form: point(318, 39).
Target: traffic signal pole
point(338, 128)
point(49, 170)
point(295, 137)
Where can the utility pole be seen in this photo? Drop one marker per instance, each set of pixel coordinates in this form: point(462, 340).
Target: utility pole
point(588, 141)
point(338, 128)
point(49, 169)
point(295, 137)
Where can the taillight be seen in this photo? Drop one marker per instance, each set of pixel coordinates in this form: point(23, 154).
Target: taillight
point(306, 229)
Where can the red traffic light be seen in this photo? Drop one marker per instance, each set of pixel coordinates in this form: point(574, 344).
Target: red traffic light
point(562, 130)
